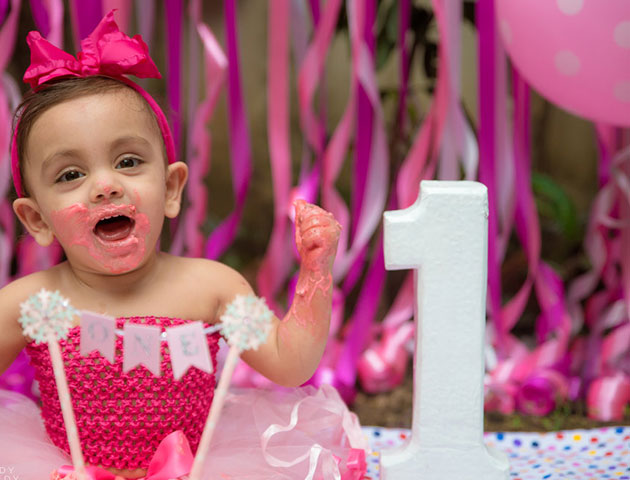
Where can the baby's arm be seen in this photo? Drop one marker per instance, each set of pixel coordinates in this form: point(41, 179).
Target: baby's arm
point(296, 343)
point(12, 341)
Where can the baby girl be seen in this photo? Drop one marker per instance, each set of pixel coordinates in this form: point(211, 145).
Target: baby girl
point(94, 169)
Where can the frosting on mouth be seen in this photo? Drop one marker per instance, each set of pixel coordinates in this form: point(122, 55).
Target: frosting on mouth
point(114, 228)
point(114, 235)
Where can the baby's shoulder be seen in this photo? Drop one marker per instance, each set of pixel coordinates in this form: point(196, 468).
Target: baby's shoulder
point(203, 266)
point(201, 271)
point(20, 289)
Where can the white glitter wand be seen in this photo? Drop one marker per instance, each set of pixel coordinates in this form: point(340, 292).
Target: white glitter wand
point(245, 325)
point(46, 317)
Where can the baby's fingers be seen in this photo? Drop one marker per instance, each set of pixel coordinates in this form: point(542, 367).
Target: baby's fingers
point(304, 210)
point(313, 219)
point(318, 220)
point(320, 233)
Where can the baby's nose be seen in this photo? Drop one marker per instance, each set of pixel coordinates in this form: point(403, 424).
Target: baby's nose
point(104, 189)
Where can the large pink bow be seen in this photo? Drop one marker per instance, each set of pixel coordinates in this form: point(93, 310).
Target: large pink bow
point(172, 459)
point(106, 51)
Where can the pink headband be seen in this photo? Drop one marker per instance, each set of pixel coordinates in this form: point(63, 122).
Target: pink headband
point(105, 52)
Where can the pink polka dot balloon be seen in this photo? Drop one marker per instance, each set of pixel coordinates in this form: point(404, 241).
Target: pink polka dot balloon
point(574, 52)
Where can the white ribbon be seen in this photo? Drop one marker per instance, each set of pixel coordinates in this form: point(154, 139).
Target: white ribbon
point(329, 465)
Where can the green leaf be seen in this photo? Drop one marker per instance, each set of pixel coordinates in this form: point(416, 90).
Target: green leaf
point(555, 205)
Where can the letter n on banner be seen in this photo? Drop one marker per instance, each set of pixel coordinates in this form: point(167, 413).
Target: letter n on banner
point(141, 345)
point(98, 332)
point(189, 348)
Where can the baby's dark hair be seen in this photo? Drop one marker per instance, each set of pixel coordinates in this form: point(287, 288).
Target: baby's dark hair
point(35, 103)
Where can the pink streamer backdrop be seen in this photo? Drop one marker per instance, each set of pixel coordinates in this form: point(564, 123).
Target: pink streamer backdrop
point(240, 150)
point(560, 365)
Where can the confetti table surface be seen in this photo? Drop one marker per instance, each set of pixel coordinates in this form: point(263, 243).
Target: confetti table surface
point(576, 454)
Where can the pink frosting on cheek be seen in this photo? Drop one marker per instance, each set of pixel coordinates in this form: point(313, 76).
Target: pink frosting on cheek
point(74, 227)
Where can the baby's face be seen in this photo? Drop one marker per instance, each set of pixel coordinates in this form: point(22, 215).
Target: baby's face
point(96, 171)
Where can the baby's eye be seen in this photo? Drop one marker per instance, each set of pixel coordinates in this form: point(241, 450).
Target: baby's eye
point(69, 176)
point(129, 162)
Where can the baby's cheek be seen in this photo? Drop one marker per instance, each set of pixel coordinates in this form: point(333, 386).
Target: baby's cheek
point(71, 225)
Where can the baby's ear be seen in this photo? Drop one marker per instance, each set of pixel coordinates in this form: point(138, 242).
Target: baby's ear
point(176, 176)
point(30, 215)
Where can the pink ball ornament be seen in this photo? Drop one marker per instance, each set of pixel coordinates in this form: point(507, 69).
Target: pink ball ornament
point(541, 392)
point(576, 53)
point(382, 366)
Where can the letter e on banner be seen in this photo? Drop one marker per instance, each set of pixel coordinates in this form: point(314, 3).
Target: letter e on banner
point(189, 348)
point(141, 345)
point(98, 332)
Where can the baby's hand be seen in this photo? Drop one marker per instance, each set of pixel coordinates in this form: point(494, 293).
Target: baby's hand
point(316, 236)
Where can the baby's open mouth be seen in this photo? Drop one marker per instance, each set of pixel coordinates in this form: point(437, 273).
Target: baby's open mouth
point(114, 228)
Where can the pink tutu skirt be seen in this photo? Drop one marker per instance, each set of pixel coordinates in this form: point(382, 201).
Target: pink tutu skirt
point(303, 433)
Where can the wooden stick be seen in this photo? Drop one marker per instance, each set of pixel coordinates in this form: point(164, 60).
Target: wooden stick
point(66, 407)
point(213, 415)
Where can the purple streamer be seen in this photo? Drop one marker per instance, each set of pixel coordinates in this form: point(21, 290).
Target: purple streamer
point(487, 165)
point(7, 222)
point(308, 179)
point(4, 10)
point(365, 117)
point(404, 18)
point(315, 11)
point(193, 159)
point(606, 143)
point(448, 168)
point(300, 31)
point(48, 17)
point(145, 18)
point(240, 147)
point(193, 69)
point(9, 98)
point(310, 172)
point(85, 17)
point(40, 17)
point(365, 311)
point(8, 35)
point(526, 220)
point(527, 225)
point(314, 177)
point(173, 18)
point(354, 272)
point(363, 150)
point(322, 92)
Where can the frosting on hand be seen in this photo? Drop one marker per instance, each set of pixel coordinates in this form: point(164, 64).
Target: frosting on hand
point(316, 236)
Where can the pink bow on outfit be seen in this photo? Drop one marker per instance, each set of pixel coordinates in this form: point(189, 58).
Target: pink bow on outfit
point(172, 459)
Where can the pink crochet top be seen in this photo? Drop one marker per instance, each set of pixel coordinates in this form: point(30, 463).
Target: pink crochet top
point(122, 417)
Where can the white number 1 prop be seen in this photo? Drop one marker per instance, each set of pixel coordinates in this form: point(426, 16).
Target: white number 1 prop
point(444, 238)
